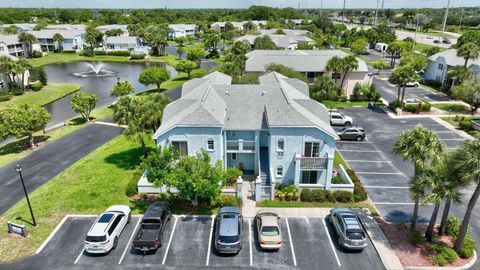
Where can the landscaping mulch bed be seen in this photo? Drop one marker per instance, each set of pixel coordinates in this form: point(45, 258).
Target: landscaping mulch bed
point(409, 253)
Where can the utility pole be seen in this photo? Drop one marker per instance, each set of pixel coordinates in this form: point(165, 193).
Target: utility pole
point(343, 11)
point(444, 22)
point(376, 14)
point(461, 19)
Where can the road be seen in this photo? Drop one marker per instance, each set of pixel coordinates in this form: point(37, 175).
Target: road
point(51, 159)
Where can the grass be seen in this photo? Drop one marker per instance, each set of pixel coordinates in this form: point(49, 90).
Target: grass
point(338, 159)
point(453, 108)
point(451, 120)
point(269, 203)
point(423, 47)
point(170, 84)
point(53, 58)
point(336, 104)
point(48, 94)
point(433, 34)
point(89, 186)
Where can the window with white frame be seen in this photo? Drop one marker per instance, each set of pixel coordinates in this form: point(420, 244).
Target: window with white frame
point(234, 156)
point(210, 145)
point(279, 171)
point(280, 144)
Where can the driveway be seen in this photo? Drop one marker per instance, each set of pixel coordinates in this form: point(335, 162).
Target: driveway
point(308, 243)
point(45, 163)
point(389, 92)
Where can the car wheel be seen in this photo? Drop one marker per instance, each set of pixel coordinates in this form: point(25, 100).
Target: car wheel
point(415, 85)
point(359, 138)
point(348, 123)
point(115, 243)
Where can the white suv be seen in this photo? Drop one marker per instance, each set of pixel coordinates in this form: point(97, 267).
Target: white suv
point(337, 118)
point(104, 233)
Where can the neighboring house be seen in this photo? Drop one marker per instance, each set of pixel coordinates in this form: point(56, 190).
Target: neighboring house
point(73, 39)
point(78, 27)
point(288, 32)
point(122, 43)
point(272, 130)
point(6, 79)
point(22, 27)
point(281, 41)
point(9, 45)
point(220, 26)
point(440, 63)
point(181, 30)
point(123, 27)
point(311, 63)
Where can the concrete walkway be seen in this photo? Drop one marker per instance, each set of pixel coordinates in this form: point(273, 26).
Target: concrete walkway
point(249, 209)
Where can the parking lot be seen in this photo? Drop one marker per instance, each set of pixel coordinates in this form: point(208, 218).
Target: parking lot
point(308, 243)
point(384, 174)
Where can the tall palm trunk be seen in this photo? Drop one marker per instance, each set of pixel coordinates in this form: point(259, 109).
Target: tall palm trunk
point(415, 213)
point(398, 92)
point(431, 224)
point(23, 81)
point(443, 223)
point(466, 62)
point(466, 219)
point(343, 79)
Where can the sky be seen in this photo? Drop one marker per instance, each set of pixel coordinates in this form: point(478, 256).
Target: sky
point(233, 3)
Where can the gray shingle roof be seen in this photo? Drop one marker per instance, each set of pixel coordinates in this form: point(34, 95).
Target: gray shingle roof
point(288, 32)
point(299, 60)
point(122, 40)
point(453, 60)
point(281, 41)
point(48, 33)
point(9, 39)
point(277, 101)
point(122, 27)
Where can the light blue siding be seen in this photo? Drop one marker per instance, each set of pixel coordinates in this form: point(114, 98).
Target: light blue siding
point(433, 72)
point(247, 160)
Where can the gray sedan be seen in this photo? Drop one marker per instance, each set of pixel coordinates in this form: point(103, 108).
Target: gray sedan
point(349, 229)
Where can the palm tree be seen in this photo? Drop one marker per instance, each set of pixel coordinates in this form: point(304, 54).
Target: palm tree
point(468, 51)
point(7, 68)
point(58, 38)
point(28, 39)
point(335, 66)
point(458, 74)
point(22, 67)
point(404, 75)
point(156, 104)
point(350, 63)
point(422, 146)
point(468, 163)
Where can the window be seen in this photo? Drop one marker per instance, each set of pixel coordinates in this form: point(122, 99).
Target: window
point(114, 224)
point(234, 156)
point(1, 49)
point(312, 149)
point(234, 133)
point(309, 177)
point(280, 145)
point(181, 147)
point(210, 145)
point(336, 76)
point(279, 171)
point(440, 66)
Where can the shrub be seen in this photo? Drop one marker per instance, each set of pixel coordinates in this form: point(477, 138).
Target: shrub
point(306, 195)
point(394, 104)
point(231, 175)
point(342, 196)
point(131, 188)
point(433, 83)
point(289, 193)
point(468, 248)
point(416, 237)
point(36, 86)
point(37, 54)
point(337, 180)
point(137, 56)
point(249, 78)
point(4, 98)
point(426, 106)
point(475, 134)
point(87, 53)
point(413, 108)
point(99, 52)
point(42, 76)
point(452, 227)
point(16, 91)
point(119, 53)
point(69, 51)
point(359, 192)
point(443, 254)
point(229, 200)
point(163, 196)
point(466, 125)
point(144, 196)
point(213, 54)
point(198, 73)
point(319, 195)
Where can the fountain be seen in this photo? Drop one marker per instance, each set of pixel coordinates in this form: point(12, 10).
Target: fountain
point(95, 71)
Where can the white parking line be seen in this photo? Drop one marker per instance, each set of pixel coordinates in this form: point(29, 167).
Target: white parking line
point(368, 161)
point(250, 240)
point(331, 243)
point(170, 240)
point(394, 203)
point(460, 139)
point(383, 173)
point(129, 241)
point(79, 255)
point(387, 187)
point(361, 151)
point(354, 142)
point(291, 243)
point(52, 234)
point(210, 241)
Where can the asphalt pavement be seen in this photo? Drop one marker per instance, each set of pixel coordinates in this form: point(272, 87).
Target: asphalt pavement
point(49, 160)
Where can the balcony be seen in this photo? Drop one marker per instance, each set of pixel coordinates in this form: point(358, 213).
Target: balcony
point(313, 163)
point(240, 146)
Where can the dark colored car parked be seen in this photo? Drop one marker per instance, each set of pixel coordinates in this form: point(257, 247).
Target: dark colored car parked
point(352, 133)
point(228, 234)
point(349, 229)
point(154, 221)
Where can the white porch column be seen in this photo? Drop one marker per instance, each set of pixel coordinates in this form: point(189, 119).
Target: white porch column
point(298, 160)
point(239, 186)
point(257, 152)
point(328, 179)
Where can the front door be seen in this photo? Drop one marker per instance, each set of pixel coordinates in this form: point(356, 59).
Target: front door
point(312, 149)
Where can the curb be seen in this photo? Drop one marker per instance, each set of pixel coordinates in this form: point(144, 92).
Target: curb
point(463, 267)
point(452, 128)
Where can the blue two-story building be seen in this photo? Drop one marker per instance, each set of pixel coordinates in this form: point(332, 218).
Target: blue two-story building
point(272, 129)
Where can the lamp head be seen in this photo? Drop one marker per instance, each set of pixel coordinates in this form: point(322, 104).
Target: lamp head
point(18, 168)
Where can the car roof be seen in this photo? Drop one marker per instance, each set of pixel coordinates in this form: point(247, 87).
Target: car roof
point(351, 222)
point(228, 224)
point(269, 220)
point(155, 209)
point(100, 228)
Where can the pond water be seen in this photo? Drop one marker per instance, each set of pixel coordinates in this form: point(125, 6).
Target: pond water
point(94, 77)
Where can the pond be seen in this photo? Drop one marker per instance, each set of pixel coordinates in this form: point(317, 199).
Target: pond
point(94, 77)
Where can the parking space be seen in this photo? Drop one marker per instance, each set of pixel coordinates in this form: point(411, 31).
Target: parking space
point(390, 91)
point(308, 243)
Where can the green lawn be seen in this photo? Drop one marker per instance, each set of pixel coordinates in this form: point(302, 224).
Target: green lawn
point(48, 94)
point(338, 159)
point(423, 47)
point(335, 104)
point(170, 84)
point(269, 203)
point(433, 34)
point(53, 58)
point(453, 108)
point(89, 186)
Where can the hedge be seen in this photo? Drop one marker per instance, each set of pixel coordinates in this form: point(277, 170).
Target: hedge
point(37, 54)
point(68, 51)
point(466, 125)
point(119, 53)
point(137, 56)
point(99, 52)
point(36, 86)
point(4, 98)
point(359, 193)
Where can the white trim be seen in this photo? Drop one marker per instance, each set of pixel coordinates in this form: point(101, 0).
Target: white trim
point(210, 240)
point(276, 171)
point(291, 243)
point(331, 243)
point(387, 187)
point(129, 241)
point(170, 241)
point(250, 240)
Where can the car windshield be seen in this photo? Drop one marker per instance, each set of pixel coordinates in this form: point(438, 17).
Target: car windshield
point(105, 218)
point(355, 235)
point(270, 231)
point(102, 238)
point(228, 239)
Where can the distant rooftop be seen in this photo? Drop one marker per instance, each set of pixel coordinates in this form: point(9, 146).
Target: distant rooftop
point(452, 59)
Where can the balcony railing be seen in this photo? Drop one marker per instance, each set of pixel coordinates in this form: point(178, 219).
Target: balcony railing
point(241, 145)
point(313, 163)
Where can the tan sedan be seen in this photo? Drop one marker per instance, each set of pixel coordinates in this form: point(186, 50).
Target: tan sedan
point(268, 230)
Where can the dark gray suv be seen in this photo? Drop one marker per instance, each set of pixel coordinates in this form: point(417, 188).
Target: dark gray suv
point(352, 133)
point(228, 234)
point(349, 229)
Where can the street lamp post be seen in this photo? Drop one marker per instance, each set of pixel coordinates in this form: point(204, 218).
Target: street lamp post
point(19, 169)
